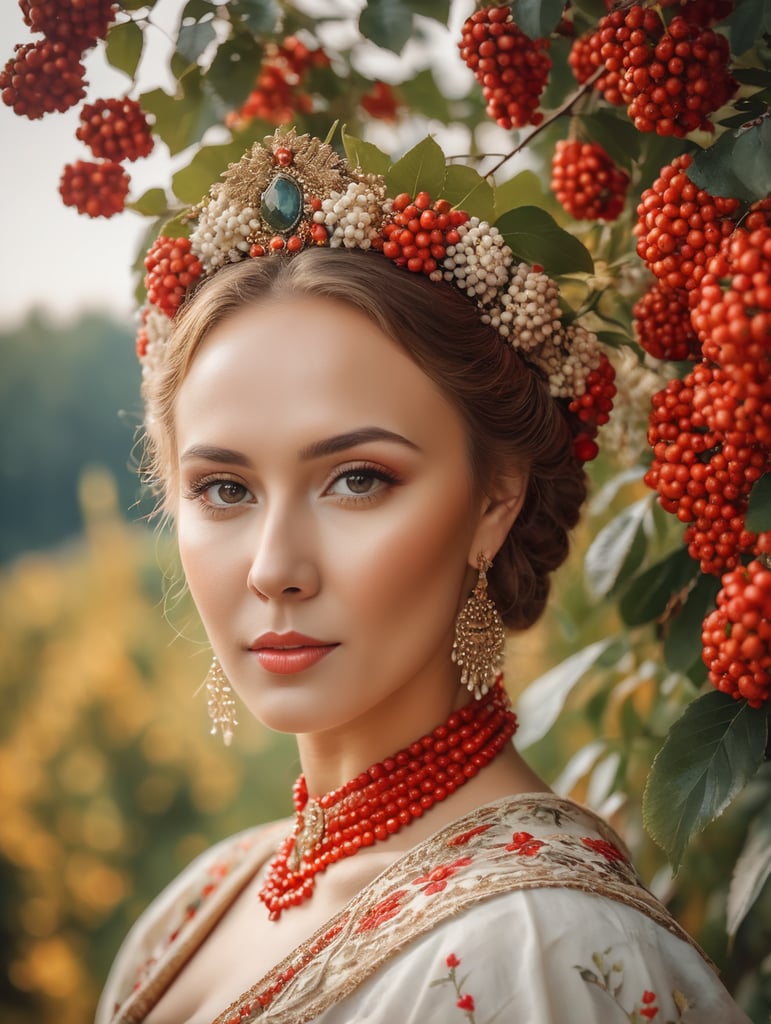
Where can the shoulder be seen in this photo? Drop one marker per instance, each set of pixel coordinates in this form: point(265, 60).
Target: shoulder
point(160, 926)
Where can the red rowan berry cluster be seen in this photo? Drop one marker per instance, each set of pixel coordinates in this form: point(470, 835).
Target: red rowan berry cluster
point(662, 323)
point(96, 189)
point(171, 269)
point(418, 233)
point(78, 23)
point(115, 129)
point(593, 408)
point(277, 96)
point(41, 78)
point(587, 182)
point(381, 102)
point(701, 12)
point(511, 67)
point(671, 78)
point(680, 226)
point(736, 636)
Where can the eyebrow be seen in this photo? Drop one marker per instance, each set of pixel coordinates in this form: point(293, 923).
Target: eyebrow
point(315, 450)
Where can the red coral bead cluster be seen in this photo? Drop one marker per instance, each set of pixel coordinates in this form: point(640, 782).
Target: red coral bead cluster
point(115, 129)
point(95, 189)
point(511, 67)
point(419, 231)
point(42, 78)
point(386, 797)
point(586, 181)
point(277, 95)
point(662, 321)
point(171, 269)
point(736, 636)
point(680, 226)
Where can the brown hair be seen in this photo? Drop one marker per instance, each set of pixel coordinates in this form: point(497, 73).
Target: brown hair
point(512, 422)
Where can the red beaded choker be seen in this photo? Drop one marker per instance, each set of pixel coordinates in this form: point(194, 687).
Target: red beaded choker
point(389, 795)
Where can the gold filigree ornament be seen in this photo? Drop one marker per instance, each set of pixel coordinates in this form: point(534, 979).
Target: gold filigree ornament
point(479, 637)
point(309, 831)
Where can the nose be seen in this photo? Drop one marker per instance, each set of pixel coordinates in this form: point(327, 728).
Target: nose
point(284, 563)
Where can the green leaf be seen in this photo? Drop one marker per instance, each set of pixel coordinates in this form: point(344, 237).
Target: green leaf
point(534, 236)
point(468, 190)
point(738, 164)
point(439, 10)
point(424, 96)
point(233, 71)
point(153, 203)
point(421, 169)
point(611, 547)
point(365, 155)
point(648, 595)
point(541, 703)
point(616, 134)
point(750, 20)
point(710, 753)
point(260, 16)
point(181, 121)
point(682, 645)
point(759, 509)
point(524, 189)
point(751, 871)
point(123, 48)
point(386, 23)
point(192, 182)
point(193, 39)
point(538, 18)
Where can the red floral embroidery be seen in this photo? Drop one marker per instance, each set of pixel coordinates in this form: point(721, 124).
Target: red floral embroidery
point(452, 961)
point(647, 1010)
point(608, 850)
point(466, 1003)
point(523, 844)
point(382, 911)
point(465, 837)
point(436, 880)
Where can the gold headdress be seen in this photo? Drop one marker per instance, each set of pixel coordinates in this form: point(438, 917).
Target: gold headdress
point(294, 192)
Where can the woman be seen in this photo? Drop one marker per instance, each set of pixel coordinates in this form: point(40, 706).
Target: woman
point(365, 477)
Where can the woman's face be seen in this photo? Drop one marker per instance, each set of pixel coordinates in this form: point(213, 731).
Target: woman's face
point(326, 516)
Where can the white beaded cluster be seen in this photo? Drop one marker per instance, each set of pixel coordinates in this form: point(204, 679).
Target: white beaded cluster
point(157, 327)
point(221, 234)
point(478, 263)
point(527, 314)
point(568, 360)
point(353, 217)
point(636, 383)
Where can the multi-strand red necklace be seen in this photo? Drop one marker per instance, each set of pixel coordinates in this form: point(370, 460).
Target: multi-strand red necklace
point(385, 797)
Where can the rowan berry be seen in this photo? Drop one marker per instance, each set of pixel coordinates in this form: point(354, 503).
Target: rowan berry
point(96, 189)
point(418, 232)
point(587, 182)
point(511, 67)
point(115, 129)
point(584, 59)
point(680, 226)
point(277, 96)
point(171, 269)
point(736, 636)
point(41, 78)
point(593, 407)
point(662, 324)
point(381, 102)
point(701, 12)
point(78, 23)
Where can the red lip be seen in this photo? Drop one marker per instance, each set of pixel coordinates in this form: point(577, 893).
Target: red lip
point(287, 653)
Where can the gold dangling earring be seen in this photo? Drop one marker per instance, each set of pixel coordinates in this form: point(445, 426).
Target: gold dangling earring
point(221, 705)
point(479, 637)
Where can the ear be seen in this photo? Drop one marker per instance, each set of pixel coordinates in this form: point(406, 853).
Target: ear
point(500, 507)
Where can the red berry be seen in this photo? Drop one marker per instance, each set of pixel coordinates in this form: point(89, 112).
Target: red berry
point(587, 182)
point(381, 102)
point(96, 189)
point(115, 129)
point(41, 78)
point(78, 23)
point(511, 67)
point(171, 269)
point(593, 407)
point(405, 239)
point(736, 636)
point(663, 324)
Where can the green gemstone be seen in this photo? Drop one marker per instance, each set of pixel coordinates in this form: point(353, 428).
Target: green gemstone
point(281, 204)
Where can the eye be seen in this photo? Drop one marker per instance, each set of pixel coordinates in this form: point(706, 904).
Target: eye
point(361, 482)
point(218, 493)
